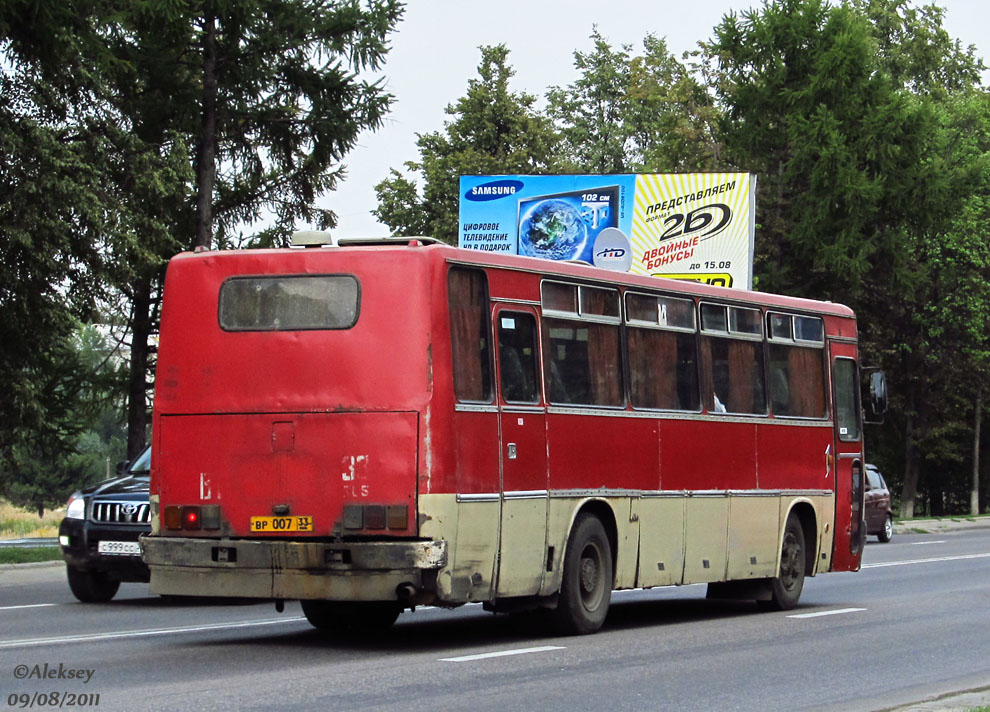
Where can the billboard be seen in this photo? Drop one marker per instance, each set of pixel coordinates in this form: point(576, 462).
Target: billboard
point(697, 226)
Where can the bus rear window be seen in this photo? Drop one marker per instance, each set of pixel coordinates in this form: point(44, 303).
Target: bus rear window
point(289, 302)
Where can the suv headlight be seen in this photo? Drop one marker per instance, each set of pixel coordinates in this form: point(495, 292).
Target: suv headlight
point(76, 508)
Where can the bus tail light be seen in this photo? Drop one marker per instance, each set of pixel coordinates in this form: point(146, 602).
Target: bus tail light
point(398, 516)
point(376, 516)
point(172, 518)
point(209, 516)
point(191, 517)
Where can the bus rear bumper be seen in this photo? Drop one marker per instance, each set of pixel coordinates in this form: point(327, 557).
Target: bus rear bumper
point(354, 571)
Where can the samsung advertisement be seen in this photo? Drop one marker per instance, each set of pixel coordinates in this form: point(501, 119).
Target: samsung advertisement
point(696, 226)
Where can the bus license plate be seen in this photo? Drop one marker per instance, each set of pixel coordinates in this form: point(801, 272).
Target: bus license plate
point(119, 548)
point(281, 524)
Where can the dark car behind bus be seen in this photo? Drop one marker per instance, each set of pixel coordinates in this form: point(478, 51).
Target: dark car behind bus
point(879, 517)
point(99, 534)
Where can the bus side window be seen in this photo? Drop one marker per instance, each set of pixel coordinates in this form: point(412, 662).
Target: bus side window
point(732, 358)
point(663, 369)
point(467, 292)
point(581, 350)
point(847, 415)
point(583, 360)
point(797, 381)
point(797, 365)
point(517, 357)
point(735, 372)
point(661, 345)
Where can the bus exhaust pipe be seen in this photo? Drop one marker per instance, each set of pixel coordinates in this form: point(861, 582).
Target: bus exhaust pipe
point(407, 592)
point(410, 595)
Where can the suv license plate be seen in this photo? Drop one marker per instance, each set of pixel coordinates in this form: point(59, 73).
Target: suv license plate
point(281, 524)
point(119, 548)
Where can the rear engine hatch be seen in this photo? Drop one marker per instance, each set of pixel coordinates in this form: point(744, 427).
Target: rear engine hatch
point(293, 474)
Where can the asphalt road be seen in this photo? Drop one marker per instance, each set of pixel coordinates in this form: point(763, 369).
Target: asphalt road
point(913, 624)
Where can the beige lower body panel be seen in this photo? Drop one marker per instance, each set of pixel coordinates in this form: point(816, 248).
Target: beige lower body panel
point(661, 545)
point(470, 529)
point(706, 522)
point(661, 539)
point(523, 549)
point(826, 535)
point(753, 532)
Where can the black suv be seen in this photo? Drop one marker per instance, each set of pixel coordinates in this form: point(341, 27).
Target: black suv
point(99, 535)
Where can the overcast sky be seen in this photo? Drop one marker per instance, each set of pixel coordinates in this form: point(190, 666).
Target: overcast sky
point(435, 52)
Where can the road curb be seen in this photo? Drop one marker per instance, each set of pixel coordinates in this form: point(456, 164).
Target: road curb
point(950, 702)
point(939, 526)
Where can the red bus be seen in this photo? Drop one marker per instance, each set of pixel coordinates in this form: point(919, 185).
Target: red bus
point(375, 426)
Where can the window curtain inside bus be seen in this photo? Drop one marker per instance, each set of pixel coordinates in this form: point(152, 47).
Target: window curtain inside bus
point(708, 375)
point(808, 382)
point(797, 381)
point(603, 346)
point(603, 362)
point(746, 377)
point(735, 375)
point(653, 368)
point(469, 340)
point(582, 362)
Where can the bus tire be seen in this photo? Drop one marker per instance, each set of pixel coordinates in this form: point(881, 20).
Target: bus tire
point(887, 533)
point(91, 586)
point(348, 618)
point(586, 588)
point(785, 589)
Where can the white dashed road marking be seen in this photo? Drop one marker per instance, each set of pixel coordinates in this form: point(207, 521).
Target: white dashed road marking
point(501, 654)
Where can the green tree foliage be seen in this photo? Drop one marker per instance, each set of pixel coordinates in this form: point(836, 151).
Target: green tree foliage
point(936, 333)
point(933, 332)
point(864, 125)
point(590, 112)
point(68, 212)
point(629, 112)
point(835, 145)
point(492, 131)
point(269, 97)
point(228, 113)
point(855, 119)
point(44, 467)
point(670, 115)
point(916, 51)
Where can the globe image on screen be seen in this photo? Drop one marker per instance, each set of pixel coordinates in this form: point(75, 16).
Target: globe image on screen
point(553, 229)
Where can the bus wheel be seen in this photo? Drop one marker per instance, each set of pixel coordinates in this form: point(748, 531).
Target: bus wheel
point(887, 533)
point(351, 617)
point(586, 589)
point(786, 588)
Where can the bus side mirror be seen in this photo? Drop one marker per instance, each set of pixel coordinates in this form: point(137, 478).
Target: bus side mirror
point(878, 395)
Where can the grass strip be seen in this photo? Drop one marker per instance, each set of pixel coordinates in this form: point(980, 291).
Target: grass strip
point(19, 555)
